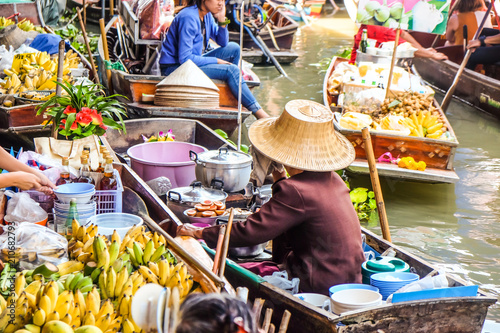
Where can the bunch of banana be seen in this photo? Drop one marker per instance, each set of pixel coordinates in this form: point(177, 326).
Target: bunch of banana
point(424, 124)
point(140, 256)
point(25, 25)
point(115, 282)
point(5, 22)
point(104, 316)
point(23, 312)
point(37, 71)
point(77, 281)
point(69, 267)
point(172, 276)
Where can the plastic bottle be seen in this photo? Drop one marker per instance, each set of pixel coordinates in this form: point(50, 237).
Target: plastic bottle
point(65, 175)
point(102, 160)
point(72, 215)
point(86, 150)
point(85, 176)
point(108, 181)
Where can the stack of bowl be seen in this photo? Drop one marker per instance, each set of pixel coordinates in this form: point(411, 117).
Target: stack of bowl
point(354, 299)
point(390, 282)
point(85, 205)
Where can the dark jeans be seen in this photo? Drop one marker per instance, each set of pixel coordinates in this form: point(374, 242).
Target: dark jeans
point(485, 55)
point(228, 73)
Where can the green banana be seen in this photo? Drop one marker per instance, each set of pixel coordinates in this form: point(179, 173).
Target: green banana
point(158, 253)
point(139, 255)
point(67, 283)
point(75, 281)
point(149, 249)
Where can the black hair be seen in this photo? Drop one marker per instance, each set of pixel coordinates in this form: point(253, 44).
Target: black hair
point(214, 313)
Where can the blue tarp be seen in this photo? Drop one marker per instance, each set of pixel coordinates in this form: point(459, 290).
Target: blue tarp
point(48, 43)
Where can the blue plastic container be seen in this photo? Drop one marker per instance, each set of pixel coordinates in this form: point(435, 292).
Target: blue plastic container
point(390, 282)
point(346, 286)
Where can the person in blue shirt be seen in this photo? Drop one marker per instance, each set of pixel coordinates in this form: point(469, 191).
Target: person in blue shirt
point(187, 39)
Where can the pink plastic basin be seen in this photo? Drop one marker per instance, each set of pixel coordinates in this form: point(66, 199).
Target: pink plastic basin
point(169, 159)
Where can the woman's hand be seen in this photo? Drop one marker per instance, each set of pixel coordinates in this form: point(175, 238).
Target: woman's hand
point(473, 45)
point(25, 180)
point(47, 186)
point(223, 62)
point(220, 16)
point(189, 230)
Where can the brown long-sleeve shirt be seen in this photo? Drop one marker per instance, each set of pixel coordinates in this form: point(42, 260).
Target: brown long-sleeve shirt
point(314, 228)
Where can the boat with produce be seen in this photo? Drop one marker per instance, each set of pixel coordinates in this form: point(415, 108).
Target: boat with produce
point(276, 31)
point(449, 314)
point(417, 127)
point(311, 9)
point(134, 86)
point(480, 90)
point(29, 10)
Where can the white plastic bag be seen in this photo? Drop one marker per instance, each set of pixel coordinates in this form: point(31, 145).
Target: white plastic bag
point(280, 280)
point(21, 208)
point(34, 245)
point(6, 56)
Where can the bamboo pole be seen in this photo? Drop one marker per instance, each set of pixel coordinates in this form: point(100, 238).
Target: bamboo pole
point(105, 49)
point(85, 38)
point(225, 245)
point(111, 8)
point(384, 223)
point(451, 90)
point(218, 249)
point(393, 62)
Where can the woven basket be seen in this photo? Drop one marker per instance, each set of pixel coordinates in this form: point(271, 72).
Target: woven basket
point(12, 35)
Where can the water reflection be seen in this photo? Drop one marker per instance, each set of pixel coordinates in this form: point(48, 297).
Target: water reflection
point(454, 226)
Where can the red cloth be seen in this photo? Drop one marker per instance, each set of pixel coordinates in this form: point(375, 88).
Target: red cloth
point(381, 34)
point(314, 228)
point(262, 268)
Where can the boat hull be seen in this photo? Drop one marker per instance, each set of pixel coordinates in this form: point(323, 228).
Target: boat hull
point(457, 314)
point(478, 90)
point(437, 154)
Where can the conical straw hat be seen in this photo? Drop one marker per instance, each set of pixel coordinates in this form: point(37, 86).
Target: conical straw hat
point(303, 137)
point(188, 74)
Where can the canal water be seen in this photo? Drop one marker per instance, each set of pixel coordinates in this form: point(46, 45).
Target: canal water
point(454, 226)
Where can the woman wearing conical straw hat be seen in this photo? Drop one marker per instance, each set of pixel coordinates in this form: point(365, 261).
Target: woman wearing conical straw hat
point(310, 217)
point(187, 39)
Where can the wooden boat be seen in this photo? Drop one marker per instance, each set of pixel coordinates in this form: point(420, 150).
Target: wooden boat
point(31, 10)
point(481, 91)
point(132, 86)
point(94, 11)
point(312, 9)
point(283, 30)
point(452, 314)
point(437, 154)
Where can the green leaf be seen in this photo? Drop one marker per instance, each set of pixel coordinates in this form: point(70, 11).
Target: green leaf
point(359, 195)
point(372, 203)
point(69, 121)
point(371, 195)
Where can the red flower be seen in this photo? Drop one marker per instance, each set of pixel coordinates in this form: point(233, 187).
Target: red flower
point(96, 118)
point(73, 127)
point(69, 109)
point(83, 118)
point(104, 127)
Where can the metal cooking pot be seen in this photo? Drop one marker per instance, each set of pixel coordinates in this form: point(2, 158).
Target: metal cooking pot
point(231, 168)
point(181, 198)
point(242, 251)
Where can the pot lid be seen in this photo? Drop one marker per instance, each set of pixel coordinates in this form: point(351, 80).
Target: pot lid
point(224, 156)
point(195, 193)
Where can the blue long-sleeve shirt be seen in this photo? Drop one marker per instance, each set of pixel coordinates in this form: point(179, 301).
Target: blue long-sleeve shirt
point(184, 40)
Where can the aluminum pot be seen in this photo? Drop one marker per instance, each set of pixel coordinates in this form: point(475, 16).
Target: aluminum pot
point(181, 198)
point(242, 251)
point(231, 168)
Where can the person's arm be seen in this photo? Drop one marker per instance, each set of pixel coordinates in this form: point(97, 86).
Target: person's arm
point(451, 28)
point(188, 30)
point(422, 52)
point(220, 32)
point(489, 40)
point(22, 176)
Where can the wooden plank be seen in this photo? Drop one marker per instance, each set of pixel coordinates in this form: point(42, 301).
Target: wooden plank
point(21, 115)
point(430, 175)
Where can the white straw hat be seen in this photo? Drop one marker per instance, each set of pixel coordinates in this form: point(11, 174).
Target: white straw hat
point(303, 137)
point(188, 74)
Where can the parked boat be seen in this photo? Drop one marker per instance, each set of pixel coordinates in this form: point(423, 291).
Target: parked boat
point(312, 8)
point(481, 91)
point(133, 86)
point(30, 10)
point(278, 32)
point(451, 314)
point(437, 154)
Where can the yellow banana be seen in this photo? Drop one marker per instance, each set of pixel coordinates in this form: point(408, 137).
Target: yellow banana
point(53, 316)
point(128, 327)
point(434, 128)
point(110, 282)
point(106, 309)
point(44, 304)
point(121, 279)
point(66, 319)
point(154, 268)
point(70, 267)
point(20, 282)
point(89, 319)
point(148, 274)
point(39, 317)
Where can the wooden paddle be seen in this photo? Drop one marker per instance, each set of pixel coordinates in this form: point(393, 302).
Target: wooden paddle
point(384, 224)
point(218, 249)
point(225, 244)
point(85, 38)
point(104, 40)
point(451, 90)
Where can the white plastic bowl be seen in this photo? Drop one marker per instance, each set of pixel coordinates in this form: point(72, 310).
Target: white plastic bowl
point(354, 299)
point(108, 222)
